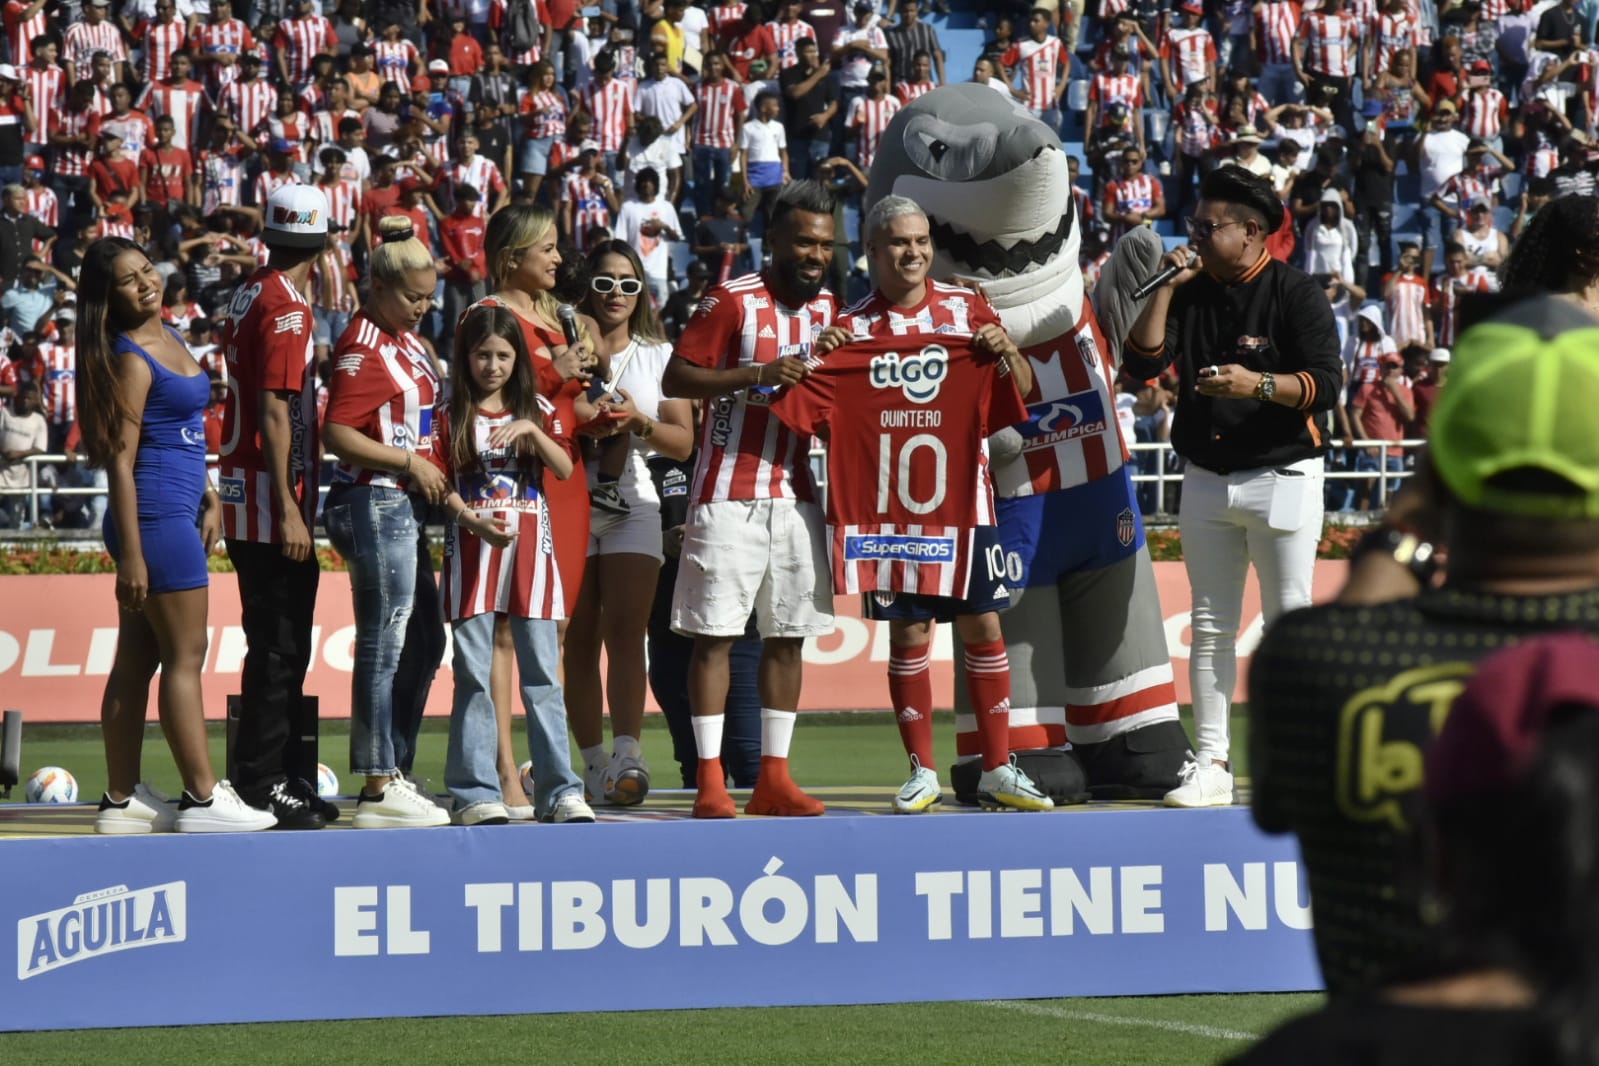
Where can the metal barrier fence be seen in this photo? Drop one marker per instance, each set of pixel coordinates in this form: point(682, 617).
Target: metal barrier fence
point(1157, 471)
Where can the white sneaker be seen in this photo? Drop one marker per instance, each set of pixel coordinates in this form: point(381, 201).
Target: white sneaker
point(594, 782)
point(400, 806)
point(920, 792)
point(146, 811)
point(224, 812)
point(1009, 786)
point(522, 813)
point(627, 780)
point(570, 808)
point(486, 813)
point(1204, 784)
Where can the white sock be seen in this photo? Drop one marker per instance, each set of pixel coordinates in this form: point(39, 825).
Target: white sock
point(777, 732)
point(625, 745)
point(708, 735)
point(595, 757)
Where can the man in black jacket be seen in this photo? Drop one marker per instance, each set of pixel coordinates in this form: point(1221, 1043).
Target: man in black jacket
point(1258, 363)
point(18, 231)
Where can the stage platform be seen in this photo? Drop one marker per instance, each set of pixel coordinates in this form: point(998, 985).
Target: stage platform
point(648, 909)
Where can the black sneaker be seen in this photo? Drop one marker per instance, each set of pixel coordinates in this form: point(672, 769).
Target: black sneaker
point(607, 498)
point(292, 809)
point(325, 807)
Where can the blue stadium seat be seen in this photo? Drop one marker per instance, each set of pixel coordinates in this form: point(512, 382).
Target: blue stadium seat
point(1511, 184)
point(1173, 242)
point(1503, 217)
point(681, 255)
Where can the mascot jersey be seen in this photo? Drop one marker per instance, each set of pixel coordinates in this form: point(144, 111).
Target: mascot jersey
point(1085, 636)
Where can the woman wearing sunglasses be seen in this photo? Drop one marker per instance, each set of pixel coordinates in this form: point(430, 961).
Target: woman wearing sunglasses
point(624, 544)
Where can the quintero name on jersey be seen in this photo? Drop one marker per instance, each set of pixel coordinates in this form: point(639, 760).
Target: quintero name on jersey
point(918, 375)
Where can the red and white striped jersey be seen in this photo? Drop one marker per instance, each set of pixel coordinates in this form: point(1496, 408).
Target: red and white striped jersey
point(1071, 435)
point(1459, 190)
point(1139, 193)
point(1392, 34)
point(42, 204)
point(299, 40)
point(1332, 44)
point(183, 104)
point(250, 102)
point(611, 105)
point(56, 370)
point(589, 207)
point(221, 178)
point(1109, 9)
point(266, 340)
point(1367, 360)
point(323, 128)
point(333, 279)
point(497, 19)
point(384, 386)
point(547, 111)
point(1423, 31)
point(1278, 24)
point(1407, 310)
point(725, 17)
point(1483, 112)
point(870, 119)
point(115, 227)
point(161, 42)
point(135, 129)
point(394, 59)
point(232, 38)
point(1364, 12)
point(480, 173)
point(906, 419)
point(520, 579)
point(296, 129)
point(344, 201)
point(745, 453)
point(266, 183)
point(20, 32)
point(785, 34)
point(1494, 10)
point(81, 41)
point(180, 316)
point(47, 92)
point(1446, 293)
point(906, 91)
point(1040, 64)
point(721, 105)
point(1108, 89)
point(72, 161)
point(1194, 49)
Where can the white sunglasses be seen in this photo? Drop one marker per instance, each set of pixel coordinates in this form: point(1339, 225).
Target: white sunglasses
point(626, 286)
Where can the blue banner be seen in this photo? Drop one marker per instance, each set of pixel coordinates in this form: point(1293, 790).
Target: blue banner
point(755, 912)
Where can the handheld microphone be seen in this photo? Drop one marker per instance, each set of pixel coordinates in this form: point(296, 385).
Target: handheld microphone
point(568, 319)
point(1151, 284)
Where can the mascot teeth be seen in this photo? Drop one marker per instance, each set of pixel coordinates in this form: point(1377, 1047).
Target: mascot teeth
point(990, 258)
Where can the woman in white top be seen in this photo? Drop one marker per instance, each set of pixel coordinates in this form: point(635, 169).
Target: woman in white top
point(613, 604)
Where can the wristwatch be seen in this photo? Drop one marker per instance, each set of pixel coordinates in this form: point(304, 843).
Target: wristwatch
point(1265, 388)
point(1407, 549)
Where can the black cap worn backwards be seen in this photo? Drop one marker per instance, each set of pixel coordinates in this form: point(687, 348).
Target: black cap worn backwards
point(1235, 185)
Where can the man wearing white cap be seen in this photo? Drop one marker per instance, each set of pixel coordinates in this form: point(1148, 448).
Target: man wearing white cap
point(1425, 389)
point(268, 486)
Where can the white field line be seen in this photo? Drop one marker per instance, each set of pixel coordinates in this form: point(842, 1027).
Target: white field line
point(1068, 1014)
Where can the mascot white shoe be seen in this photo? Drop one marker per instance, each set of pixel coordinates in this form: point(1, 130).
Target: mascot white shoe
point(1085, 635)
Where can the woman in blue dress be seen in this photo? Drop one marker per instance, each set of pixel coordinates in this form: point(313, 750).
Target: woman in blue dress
point(141, 403)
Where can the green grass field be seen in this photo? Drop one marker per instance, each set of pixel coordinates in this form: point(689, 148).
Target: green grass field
point(829, 750)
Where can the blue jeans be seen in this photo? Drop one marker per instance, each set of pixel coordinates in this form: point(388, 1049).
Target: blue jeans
point(471, 770)
point(399, 632)
point(1279, 84)
point(328, 326)
point(804, 156)
point(713, 168)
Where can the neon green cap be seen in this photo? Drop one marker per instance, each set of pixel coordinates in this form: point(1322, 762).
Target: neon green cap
point(1521, 397)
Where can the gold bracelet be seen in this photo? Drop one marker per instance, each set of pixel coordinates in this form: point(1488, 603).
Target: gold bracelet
point(760, 375)
point(649, 429)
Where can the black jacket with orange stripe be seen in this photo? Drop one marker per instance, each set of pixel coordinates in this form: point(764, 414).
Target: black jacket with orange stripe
point(1274, 319)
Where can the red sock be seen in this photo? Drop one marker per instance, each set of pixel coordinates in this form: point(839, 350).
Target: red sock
point(910, 687)
point(988, 684)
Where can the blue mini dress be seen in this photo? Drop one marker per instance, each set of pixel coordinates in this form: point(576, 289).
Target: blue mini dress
point(168, 476)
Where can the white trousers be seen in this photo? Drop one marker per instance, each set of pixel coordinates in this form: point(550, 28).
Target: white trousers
point(1268, 517)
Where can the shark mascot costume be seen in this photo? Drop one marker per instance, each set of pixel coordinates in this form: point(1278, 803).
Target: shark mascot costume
point(1085, 635)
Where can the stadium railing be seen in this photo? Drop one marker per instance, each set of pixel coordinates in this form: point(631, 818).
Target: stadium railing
point(1165, 478)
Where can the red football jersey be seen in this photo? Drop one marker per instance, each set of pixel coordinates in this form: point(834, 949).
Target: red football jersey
point(384, 386)
point(1070, 436)
point(520, 579)
point(745, 453)
point(267, 342)
point(905, 418)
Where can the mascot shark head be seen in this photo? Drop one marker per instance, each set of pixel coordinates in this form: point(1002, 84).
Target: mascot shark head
point(994, 184)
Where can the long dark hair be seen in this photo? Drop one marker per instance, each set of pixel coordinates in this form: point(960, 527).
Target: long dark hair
point(642, 325)
point(101, 406)
point(1522, 881)
point(520, 392)
point(1559, 249)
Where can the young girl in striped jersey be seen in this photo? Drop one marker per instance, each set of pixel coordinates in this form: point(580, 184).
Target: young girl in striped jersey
point(495, 443)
